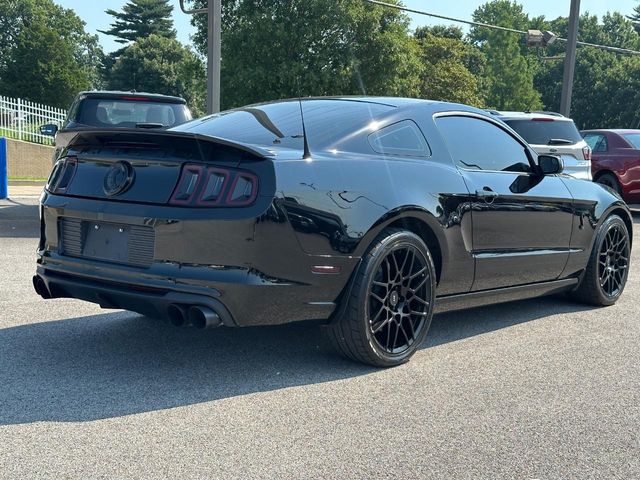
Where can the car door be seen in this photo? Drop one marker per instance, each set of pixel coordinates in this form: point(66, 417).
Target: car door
point(521, 220)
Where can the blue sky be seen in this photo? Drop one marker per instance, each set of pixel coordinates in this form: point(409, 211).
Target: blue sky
point(96, 19)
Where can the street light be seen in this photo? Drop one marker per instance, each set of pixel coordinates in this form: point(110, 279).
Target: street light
point(214, 40)
point(537, 38)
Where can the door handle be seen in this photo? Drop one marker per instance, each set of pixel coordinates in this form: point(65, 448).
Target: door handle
point(487, 194)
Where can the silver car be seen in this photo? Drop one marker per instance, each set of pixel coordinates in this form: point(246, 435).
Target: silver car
point(550, 133)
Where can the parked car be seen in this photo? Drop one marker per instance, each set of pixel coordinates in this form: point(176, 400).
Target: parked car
point(107, 109)
point(550, 133)
point(616, 160)
point(369, 214)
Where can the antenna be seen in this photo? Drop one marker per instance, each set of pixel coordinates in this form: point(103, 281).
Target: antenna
point(307, 153)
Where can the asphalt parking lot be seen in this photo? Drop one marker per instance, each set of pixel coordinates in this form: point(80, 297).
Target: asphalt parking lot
point(544, 389)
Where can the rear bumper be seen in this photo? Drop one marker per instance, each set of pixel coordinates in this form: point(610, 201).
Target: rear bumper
point(240, 298)
point(250, 268)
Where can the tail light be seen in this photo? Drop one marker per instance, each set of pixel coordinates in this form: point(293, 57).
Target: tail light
point(586, 152)
point(201, 186)
point(62, 175)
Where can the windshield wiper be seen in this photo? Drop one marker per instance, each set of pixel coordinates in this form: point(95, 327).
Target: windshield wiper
point(560, 141)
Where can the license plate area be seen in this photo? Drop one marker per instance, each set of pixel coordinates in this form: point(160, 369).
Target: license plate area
point(105, 241)
point(108, 242)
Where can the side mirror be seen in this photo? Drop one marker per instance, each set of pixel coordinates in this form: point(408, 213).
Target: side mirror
point(49, 129)
point(550, 165)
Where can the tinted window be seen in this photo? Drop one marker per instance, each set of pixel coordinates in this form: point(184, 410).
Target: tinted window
point(633, 139)
point(477, 144)
point(598, 143)
point(128, 113)
point(542, 132)
point(402, 138)
point(326, 122)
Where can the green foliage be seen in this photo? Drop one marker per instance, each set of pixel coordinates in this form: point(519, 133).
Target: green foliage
point(451, 66)
point(510, 72)
point(273, 49)
point(635, 16)
point(46, 54)
point(141, 18)
point(161, 65)
point(605, 88)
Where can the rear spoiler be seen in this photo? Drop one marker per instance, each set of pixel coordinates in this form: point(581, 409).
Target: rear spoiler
point(159, 139)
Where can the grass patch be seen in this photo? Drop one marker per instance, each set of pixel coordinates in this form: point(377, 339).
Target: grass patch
point(27, 179)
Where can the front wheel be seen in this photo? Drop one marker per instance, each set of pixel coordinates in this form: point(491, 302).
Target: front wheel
point(606, 274)
point(389, 309)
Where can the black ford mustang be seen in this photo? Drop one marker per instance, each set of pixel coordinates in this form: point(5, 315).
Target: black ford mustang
point(368, 213)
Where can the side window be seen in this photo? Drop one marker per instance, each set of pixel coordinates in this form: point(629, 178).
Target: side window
point(476, 144)
point(402, 138)
point(597, 142)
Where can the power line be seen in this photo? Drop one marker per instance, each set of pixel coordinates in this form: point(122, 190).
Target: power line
point(496, 27)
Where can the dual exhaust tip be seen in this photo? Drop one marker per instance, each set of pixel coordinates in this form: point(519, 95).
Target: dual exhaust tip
point(197, 316)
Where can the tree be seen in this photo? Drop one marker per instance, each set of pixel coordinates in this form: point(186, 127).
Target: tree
point(141, 18)
point(273, 49)
point(509, 68)
point(605, 83)
point(42, 68)
point(451, 66)
point(635, 17)
point(161, 65)
point(43, 41)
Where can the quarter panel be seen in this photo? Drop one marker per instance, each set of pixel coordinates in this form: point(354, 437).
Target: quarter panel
point(339, 203)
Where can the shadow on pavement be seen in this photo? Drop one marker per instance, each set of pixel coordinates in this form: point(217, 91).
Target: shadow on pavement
point(19, 219)
point(116, 364)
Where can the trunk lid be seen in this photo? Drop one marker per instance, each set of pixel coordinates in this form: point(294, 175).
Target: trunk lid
point(148, 166)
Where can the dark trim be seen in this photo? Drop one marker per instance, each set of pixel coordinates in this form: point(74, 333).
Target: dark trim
point(499, 295)
point(526, 253)
point(152, 302)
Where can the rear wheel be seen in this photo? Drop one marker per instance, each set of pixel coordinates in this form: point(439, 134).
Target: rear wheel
point(610, 180)
point(606, 273)
point(388, 312)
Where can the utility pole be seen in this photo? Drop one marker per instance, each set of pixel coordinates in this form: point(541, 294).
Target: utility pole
point(570, 59)
point(214, 52)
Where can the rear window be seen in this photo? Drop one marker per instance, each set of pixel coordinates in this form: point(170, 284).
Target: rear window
point(326, 121)
point(99, 112)
point(633, 139)
point(538, 132)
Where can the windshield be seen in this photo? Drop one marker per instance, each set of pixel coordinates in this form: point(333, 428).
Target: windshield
point(633, 139)
point(547, 132)
point(129, 113)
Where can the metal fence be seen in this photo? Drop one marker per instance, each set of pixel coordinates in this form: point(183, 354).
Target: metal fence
point(21, 119)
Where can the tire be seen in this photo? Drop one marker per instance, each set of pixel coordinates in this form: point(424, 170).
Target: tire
point(610, 180)
point(388, 310)
point(606, 274)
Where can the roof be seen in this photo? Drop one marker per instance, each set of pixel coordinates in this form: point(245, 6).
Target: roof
point(388, 101)
point(619, 131)
point(119, 94)
point(527, 115)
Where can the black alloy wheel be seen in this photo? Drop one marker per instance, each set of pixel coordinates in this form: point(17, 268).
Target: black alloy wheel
point(606, 274)
point(388, 311)
point(613, 261)
point(399, 299)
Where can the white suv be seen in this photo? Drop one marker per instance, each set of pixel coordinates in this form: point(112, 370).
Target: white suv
point(550, 133)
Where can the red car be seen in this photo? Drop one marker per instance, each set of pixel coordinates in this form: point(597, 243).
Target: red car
point(615, 160)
